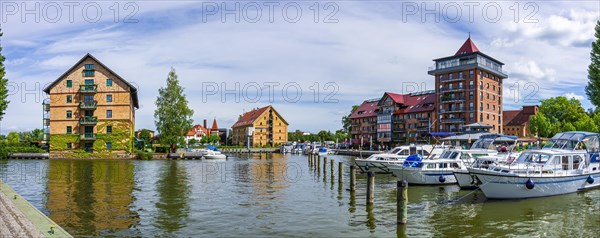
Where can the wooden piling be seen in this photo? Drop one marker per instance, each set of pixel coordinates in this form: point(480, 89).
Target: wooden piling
point(352, 178)
point(325, 165)
point(331, 169)
point(318, 162)
point(370, 188)
point(402, 201)
point(340, 172)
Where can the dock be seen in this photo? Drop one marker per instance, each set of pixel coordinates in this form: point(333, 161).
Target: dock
point(360, 153)
point(29, 156)
point(19, 218)
point(250, 151)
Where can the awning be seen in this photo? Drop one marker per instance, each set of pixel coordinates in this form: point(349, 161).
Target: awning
point(441, 134)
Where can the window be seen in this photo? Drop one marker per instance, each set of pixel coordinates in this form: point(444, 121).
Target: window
point(108, 113)
point(108, 145)
point(88, 73)
point(69, 99)
point(108, 97)
point(69, 83)
point(109, 82)
point(69, 146)
point(89, 66)
point(89, 82)
point(69, 114)
point(108, 129)
point(69, 130)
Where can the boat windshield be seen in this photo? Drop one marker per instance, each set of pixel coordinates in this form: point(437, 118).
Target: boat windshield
point(449, 155)
point(395, 150)
point(530, 157)
point(485, 144)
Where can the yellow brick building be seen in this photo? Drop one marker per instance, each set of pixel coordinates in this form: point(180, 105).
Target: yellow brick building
point(91, 108)
point(269, 128)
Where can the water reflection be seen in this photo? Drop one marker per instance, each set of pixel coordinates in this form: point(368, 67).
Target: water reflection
point(90, 197)
point(173, 190)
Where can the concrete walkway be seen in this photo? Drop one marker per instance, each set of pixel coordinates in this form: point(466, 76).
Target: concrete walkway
point(18, 218)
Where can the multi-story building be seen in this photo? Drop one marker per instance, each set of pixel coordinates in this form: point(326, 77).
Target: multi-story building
point(516, 122)
point(264, 125)
point(91, 108)
point(403, 118)
point(468, 88)
point(363, 122)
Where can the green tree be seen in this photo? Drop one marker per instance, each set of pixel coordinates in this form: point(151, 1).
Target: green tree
point(586, 123)
point(13, 137)
point(592, 90)
point(172, 117)
point(346, 122)
point(3, 84)
point(145, 136)
point(37, 134)
point(214, 139)
point(540, 125)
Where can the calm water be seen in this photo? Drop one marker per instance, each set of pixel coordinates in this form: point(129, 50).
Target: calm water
point(277, 195)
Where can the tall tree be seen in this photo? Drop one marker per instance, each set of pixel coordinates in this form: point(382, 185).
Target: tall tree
point(3, 84)
point(172, 117)
point(592, 90)
point(346, 122)
point(13, 137)
point(145, 136)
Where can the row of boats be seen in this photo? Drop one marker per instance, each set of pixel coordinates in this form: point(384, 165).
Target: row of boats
point(567, 163)
point(315, 148)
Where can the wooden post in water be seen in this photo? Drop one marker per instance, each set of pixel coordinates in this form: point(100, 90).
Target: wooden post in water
point(370, 188)
point(340, 172)
point(318, 163)
point(352, 178)
point(402, 201)
point(325, 165)
point(331, 169)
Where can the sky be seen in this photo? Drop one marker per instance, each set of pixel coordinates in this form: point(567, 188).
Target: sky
point(311, 60)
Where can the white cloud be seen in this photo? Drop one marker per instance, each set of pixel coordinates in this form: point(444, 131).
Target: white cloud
point(573, 95)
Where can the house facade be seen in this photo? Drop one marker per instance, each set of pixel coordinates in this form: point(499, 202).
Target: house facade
point(265, 126)
point(516, 122)
point(90, 108)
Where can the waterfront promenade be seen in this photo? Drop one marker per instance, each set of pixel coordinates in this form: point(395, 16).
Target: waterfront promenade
point(18, 218)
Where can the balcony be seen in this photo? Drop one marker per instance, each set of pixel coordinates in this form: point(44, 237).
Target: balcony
point(88, 136)
point(452, 89)
point(399, 121)
point(453, 120)
point(423, 128)
point(447, 80)
point(453, 110)
point(46, 122)
point(88, 105)
point(400, 130)
point(452, 99)
point(46, 107)
point(88, 120)
point(88, 88)
point(423, 119)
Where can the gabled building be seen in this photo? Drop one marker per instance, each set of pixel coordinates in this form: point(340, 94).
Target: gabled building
point(403, 118)
point(468, 88)
point(516, 122)
point(264, 125)
point(363, 122)
point(90, 108)
point(196, 133)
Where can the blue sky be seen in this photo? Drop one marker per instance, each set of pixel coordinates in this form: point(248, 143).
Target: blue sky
point(356, 50)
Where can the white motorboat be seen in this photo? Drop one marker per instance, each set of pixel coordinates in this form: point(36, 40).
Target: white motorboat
point(213, 155)
point(287, 147)
point(378, 162)
point(540, 173)
point(427, 171)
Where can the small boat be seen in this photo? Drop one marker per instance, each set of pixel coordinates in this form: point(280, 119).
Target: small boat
point(378, 162)
point(416, 170)
point(286, 147)
point(212, 153)
point(540, 173)
point(298, 149)
point(322, 151)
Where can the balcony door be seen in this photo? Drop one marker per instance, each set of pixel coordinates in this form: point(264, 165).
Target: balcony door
point(88, 113)
point(88, 98)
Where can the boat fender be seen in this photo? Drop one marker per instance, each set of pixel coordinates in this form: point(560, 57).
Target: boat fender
point(442, 179)
point(529, 184)
point(473, 179)
point(366, 167)
point(590, 179)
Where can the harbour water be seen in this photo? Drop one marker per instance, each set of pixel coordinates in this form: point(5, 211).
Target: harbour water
point(274, 195)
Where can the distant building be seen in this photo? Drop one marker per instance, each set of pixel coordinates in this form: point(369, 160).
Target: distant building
point(139, 132)
point(363, 122)
point(516, 122)
point(404, 118)
point(266, 125)
point(196, 133)
point(91, 108)
point(468, 86)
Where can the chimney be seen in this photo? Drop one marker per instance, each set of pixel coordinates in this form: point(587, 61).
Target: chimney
point(204, 123)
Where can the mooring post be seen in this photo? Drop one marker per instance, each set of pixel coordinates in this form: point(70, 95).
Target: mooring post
point(331, 165)
point(317, 160)
point(402, 201)
point(352, 178)
point(340, 172)
point(370, 188)
point(325, 165)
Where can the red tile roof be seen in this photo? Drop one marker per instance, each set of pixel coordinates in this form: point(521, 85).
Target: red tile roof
point(249, 117)
point(418, 103)
point(467, 47)
point(398, 98)
point(518, 117)
point(366, 109)
point(214, 126)
point(197, 129)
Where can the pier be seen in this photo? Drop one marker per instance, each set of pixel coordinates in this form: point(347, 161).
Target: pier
point(18, 218)
point(29, 156)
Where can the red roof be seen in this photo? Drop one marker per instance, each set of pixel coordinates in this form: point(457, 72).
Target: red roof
point(214, 126)
point(518, 117)
point(249, 117)
point(467, 47)
point(418, 103)
point(398, 98)
point(197, 129)
point(366, 109)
